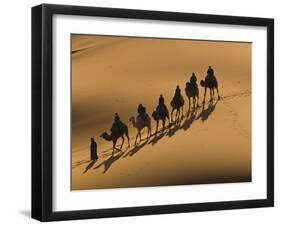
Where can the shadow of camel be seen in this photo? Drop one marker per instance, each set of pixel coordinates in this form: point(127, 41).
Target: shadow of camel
point(108, 162)
point(168, 131)
point(205, 113)
point(172, 131)
point(156, 137)
point(191, 116)
point(135, 149)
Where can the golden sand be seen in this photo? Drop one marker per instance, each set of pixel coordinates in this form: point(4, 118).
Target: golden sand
point(115, 74)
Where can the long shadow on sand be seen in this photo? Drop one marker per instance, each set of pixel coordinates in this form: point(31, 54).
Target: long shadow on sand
point(174, 127)
point(191, 117)
point(89, 166)
point(108, 162)
point(157, 137)
point(180, 124)
point(135, 149)
point(205, 113)
point(154, 139)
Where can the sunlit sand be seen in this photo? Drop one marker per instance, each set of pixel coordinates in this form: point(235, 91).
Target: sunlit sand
point(210, 145)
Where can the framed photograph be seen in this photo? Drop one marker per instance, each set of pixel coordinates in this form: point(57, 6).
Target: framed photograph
point(145, 112)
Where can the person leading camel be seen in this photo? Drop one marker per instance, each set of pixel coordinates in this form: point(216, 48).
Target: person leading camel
point(93, 149)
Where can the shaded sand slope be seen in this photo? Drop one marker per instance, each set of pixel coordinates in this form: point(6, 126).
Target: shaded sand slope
point(116, 74)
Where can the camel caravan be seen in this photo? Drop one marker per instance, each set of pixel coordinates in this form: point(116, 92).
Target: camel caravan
point(120, 130)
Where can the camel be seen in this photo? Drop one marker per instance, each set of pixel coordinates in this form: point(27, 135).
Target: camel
point(140, 124)
point(161, 113)
point(177, 104)
point(192, 91)
point(211, 83)
point(115, 135)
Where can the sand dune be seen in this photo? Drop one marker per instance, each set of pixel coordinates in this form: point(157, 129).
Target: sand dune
point(112, 75)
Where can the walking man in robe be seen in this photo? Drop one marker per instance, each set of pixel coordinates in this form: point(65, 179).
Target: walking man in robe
point(93, 149)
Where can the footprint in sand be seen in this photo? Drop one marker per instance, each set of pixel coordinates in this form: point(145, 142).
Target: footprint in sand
point(233, 115)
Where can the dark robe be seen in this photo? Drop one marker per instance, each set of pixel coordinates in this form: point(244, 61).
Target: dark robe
point(142, 112)
point(210, 71)
point(161, 100)
point(117, 124)
point(94, 154)
point(193, 79)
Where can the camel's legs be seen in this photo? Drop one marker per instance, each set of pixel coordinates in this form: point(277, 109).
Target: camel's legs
point(189, 101)
point(177, 114)
point(140, 136)
point(163, 124)
point(148, 132)
point(194, 102)
point(157, 124)
point(137, 137)
point(197, 100)
point(211, 94)
point(168, 117)
point(219, 97)
point(122, 141)
point(113, 148)
point(181, 113)
point(128, 139)
point(204, 95)
point(172, 114)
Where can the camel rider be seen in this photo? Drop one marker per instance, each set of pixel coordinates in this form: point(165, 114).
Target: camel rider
point(193, 80)
point(178, 97)
point(178, 92)
point(210, 71)
point(161, 100)
point(142, 112)
point(161, 106)
point(117, 124)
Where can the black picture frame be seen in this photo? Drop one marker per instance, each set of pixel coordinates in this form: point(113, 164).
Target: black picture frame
point(42, 111)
